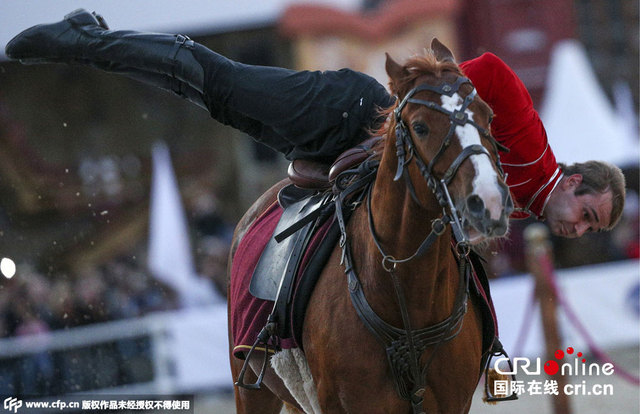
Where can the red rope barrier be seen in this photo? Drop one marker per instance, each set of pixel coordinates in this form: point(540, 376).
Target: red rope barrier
point(525, 327)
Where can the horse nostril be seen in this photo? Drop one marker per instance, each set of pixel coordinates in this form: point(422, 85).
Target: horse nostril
point(475, 206)
point(500, 229)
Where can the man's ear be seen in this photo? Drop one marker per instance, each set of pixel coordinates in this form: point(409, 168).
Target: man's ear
point(572, 181)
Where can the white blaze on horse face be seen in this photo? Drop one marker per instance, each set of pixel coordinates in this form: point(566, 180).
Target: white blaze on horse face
point(485, 183)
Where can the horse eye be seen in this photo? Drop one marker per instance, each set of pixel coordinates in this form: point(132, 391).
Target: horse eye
point(420, 128)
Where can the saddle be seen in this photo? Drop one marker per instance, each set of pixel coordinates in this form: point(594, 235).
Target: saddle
point(307, 204)
point(313, 175)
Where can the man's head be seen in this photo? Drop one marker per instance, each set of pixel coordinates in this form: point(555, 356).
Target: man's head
point(590, 197)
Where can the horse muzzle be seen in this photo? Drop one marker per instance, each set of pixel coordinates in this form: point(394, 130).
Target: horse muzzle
point(478, 223)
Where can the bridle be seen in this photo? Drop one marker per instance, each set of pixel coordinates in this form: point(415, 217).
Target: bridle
point(404, 346)
point(457, 117)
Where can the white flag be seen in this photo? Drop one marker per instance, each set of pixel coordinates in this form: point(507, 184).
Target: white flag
point(170, 258)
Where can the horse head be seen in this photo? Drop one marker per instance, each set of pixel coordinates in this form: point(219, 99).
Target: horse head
point(443, 143)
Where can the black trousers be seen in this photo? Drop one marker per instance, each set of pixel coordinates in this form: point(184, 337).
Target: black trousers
point(302, 114)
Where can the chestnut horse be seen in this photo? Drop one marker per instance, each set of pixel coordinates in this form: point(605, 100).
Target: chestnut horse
point(439, 189)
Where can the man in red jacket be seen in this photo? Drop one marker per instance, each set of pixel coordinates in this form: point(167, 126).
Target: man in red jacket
point(318, 115)
point(575, 199)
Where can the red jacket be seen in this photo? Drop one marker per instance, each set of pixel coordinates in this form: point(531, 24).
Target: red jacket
point(532, 169)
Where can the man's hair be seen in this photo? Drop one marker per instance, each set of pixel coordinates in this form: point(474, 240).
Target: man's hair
point(600, 177)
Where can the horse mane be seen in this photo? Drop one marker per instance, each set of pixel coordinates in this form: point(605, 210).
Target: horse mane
point(415, 66)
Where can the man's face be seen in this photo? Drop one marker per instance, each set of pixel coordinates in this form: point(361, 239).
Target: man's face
point(569, 215)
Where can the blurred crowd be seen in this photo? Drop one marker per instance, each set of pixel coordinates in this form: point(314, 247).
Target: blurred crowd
point(33, 303)
point(121, 288)
point(36, 303)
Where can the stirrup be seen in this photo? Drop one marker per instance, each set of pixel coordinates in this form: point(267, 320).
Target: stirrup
point(497, 350)
point(265, 334)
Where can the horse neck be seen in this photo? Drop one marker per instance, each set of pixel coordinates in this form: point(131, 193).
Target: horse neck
point(401, 225)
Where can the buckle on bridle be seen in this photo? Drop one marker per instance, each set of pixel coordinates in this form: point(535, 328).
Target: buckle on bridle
point(389, 263)
point(438, 226)
point(463, 248)
point(459, 117)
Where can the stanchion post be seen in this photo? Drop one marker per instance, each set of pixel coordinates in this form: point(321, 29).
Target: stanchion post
point(538, 253)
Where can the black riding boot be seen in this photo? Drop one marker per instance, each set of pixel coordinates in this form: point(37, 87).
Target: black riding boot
point(313, 115)
point(81, 37)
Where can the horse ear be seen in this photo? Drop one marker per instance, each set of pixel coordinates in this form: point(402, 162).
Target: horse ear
point(443, 54)
point(395, 71)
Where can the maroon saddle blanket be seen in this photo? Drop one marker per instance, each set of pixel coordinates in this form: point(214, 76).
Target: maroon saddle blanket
point(248, 313)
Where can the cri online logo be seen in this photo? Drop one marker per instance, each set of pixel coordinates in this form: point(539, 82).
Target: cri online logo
point(552, 367)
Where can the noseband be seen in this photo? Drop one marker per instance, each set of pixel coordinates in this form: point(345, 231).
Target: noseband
point(457, 117)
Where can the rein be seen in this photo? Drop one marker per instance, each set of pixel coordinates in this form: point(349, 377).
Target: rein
point(404, 346)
